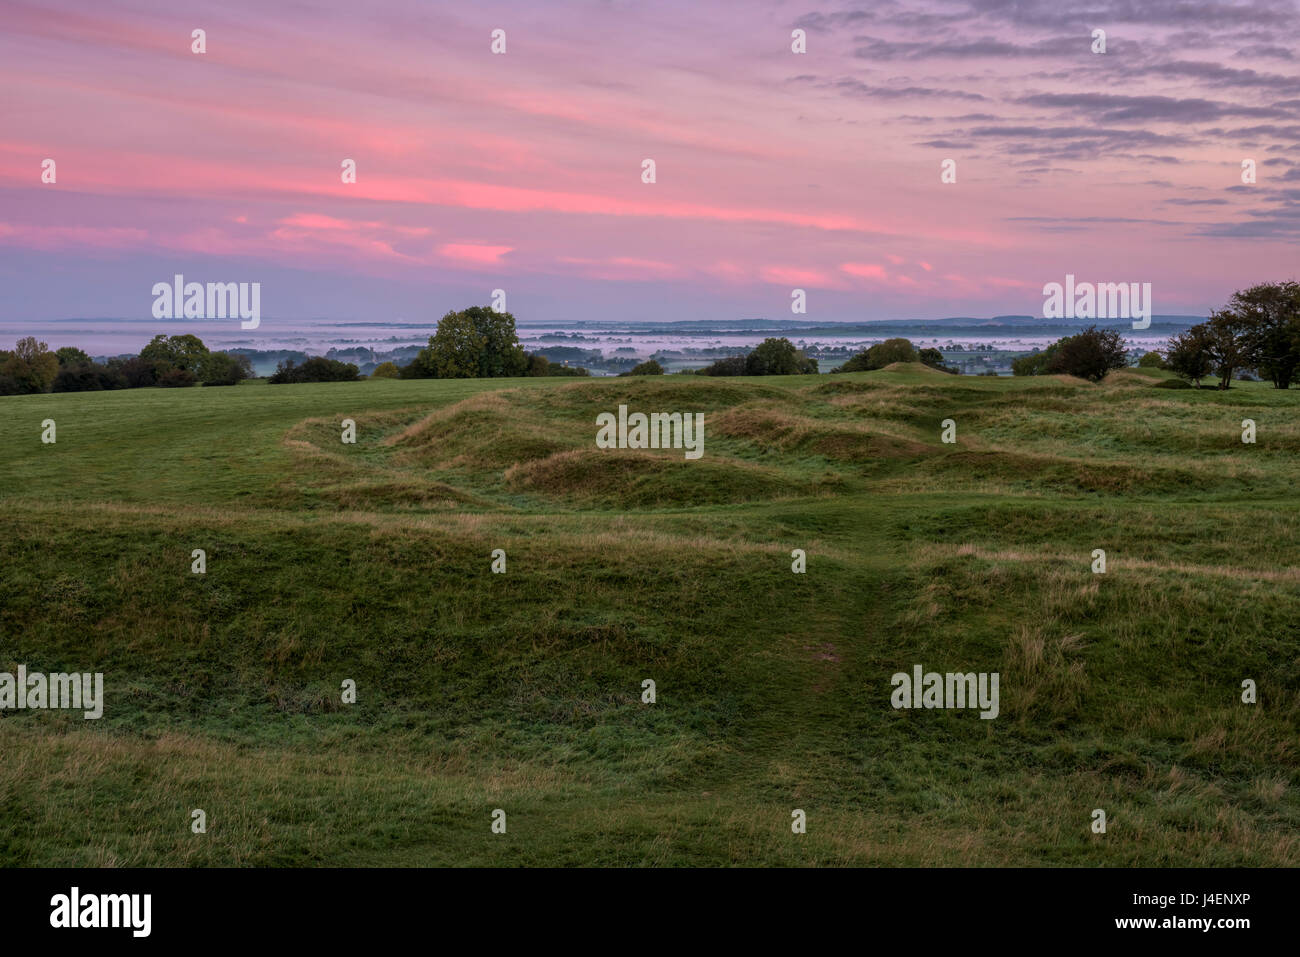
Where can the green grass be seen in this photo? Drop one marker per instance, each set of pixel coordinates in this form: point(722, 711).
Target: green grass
point(522, 691)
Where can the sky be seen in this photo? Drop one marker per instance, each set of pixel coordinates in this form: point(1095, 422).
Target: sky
point(774, 170)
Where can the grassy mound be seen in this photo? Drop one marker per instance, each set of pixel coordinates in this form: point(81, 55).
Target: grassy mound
point(522, 688)
point(636, 479)
point(492, 431)
point(770, 428)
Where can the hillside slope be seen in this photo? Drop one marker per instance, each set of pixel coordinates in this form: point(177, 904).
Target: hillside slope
point(522, 691)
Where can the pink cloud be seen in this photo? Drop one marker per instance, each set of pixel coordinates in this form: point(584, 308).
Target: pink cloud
point(55, 237)
point(865, 270)
point(729, 271)
point(474, 253)
point(792, 276)
point(317, 221)
point(622, 267)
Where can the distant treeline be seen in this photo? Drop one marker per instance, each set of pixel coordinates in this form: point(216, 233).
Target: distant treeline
point(168, 361)
point(1258, 332)
point(473, 343)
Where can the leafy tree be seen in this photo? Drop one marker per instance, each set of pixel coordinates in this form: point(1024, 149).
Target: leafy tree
point(880, 355)
point(385, 370)
point(179, 352)
point(1151, 360)
point(649, 367)
point(70, 355)
point(892, 350)
point(1188, 354)
point(934, 359)
point(223, 368)
point(732, 365)
point(87, 377)
point(1090, 354)
point(770, 357)
point(778, 357)
point(1035, 363)
point(315, 369)
point(174, 378)
point(31, 366)
point(475, 343)
point(322, 369)
point(1227, 345)
point(110, 374)
point(1269, 317)
point(139, 373)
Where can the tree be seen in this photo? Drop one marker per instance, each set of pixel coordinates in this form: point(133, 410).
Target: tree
point(110, 374)
point(88, 377)
point(139, 373)
point(222, 368)
point(731, 365)
point(173, 378)
point(78, 377)
point(778, 357)
point(1036, 362)
point(70, 355)
point(880, 355)
point(649, 367)
point(385, 370)
point(179, 352)
point(934, 359)
point(315, 369)
point(1227, 346)
point(1151, 360)
point(475, 343)
point(1188, 354)
point(1090, 354)
point(31, 366)
point(1269, 319)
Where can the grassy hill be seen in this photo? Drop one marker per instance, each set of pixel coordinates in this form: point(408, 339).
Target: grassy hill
point(522, 690)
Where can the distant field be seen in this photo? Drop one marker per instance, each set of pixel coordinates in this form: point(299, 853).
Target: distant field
point(522, 690)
